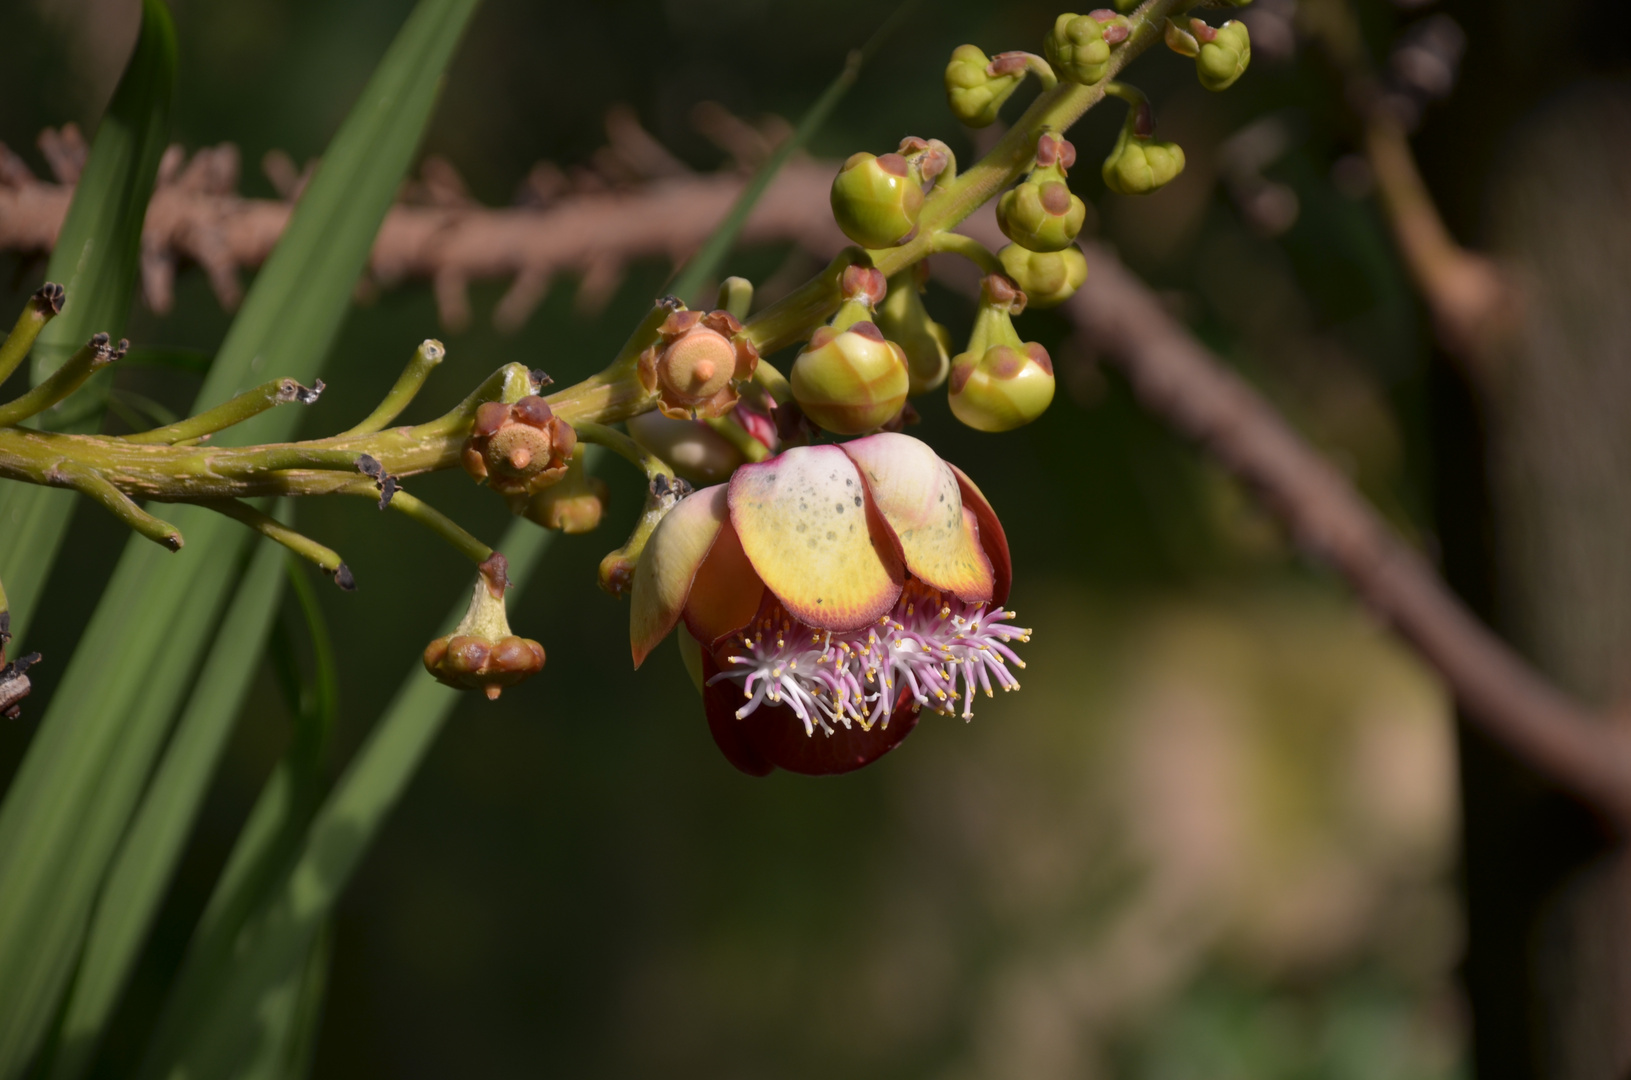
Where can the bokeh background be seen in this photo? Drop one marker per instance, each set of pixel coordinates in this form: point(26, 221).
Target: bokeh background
point(1215, 834)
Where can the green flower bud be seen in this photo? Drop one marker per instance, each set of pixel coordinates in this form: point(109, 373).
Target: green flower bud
point(975, 95)
point(876, 200)
point(850, 381)
point(1224, 54)
point(1048, 277)
point(1139, 165)
point(1041, 213)
point(1077, 49)
point(1000, 382)
point(926, 343)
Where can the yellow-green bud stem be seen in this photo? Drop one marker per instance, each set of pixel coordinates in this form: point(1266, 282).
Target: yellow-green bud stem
point(904, 320)
point(1000, 382)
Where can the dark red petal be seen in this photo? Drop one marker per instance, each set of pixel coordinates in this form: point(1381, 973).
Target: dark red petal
point(772, 737)
point(992, 538)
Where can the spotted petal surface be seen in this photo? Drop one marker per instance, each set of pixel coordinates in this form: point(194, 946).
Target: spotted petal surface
point(817, 540)
point(919, 496)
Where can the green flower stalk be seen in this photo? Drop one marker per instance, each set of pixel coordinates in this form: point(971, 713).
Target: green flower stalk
point(1048, 278)
point(1000, 382)
point(904, 320)
point(43, 306)
point(1041, 214)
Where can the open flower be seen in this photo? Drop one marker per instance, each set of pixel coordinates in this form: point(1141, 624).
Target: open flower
point(835, 591)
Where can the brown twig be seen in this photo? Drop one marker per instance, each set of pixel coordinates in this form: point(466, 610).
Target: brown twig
point(593, 229)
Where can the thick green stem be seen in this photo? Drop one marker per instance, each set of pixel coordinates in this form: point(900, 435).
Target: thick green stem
point(326, 559)
point(42, 307)
point(93, 357)
point(250, 403)
point(425, 358)
point(431, 518)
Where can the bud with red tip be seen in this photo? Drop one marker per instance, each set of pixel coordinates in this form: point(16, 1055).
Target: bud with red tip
point(876, 200)
point(693, 363)
point(850, 379)
point(1001, 382)
point(974, 92)
point(481, 653)
point(1048, 278)
point(518, 449)
point(1041, 214)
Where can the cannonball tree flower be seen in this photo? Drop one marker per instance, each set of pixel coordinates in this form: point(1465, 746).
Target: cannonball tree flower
point(832, 593)
point(693, 364)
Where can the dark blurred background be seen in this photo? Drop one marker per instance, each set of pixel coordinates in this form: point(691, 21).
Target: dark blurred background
point(1214, 836)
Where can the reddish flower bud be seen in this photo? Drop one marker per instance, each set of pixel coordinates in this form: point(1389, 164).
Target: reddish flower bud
point(518, 449)
point(693, 363)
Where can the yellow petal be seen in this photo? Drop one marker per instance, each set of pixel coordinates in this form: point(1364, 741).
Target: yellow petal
point(662, 580)
point(919, 497)
point(816, 538)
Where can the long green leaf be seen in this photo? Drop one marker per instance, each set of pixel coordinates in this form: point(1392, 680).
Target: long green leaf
point(96, 259)
point(219, 1017)
point(141, 872)
point(76, 790)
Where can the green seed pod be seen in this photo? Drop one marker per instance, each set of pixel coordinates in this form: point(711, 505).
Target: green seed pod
point(926, 343)
point(1224, 54)
point(850, 381)
point(1077, 49)
point(876, 200)
point(1138, 166)
point(1002, 388)
point(976, 95)
point(1048, 278)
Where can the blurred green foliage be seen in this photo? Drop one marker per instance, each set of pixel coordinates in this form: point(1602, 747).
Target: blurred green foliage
point(578, 884)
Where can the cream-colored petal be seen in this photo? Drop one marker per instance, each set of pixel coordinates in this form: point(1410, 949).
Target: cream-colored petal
point(662, 580)
point(919, 497)
point(816, 538)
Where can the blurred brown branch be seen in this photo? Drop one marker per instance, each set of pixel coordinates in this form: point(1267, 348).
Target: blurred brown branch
point(639, 201)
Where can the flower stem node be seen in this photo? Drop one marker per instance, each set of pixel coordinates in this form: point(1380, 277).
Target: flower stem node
point(1079, 49)
point(1224, 53)
point(693, 363)
point(850, 381)
point(876, 200)
point(1138, 165)
point(1048, 278)
point(1000, 382)
point(575, 504)
point(481, 653)
point(904, 320)
point(1041, 214)
point(973, 91)
point(518, 449)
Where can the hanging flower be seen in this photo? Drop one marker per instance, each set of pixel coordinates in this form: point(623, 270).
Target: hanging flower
point(834, 591)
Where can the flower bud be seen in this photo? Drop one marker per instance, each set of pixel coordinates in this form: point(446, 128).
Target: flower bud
point(693, 363)
point(1000, 382)
point(1041, 214)
point(575, 504)
point(976, 95)
point(1224, 53)
point(926, 343)
point(518, 449)
point(697, 451)
point(850, 381)
point(481, 653)
point(1047, 277)
point(1077, 49)
point(876, 200)
point(1138, 165)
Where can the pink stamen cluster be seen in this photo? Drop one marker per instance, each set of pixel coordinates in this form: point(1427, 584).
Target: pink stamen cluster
point(929, 642)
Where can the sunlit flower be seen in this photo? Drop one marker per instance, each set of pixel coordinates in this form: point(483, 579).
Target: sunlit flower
point(834, 591)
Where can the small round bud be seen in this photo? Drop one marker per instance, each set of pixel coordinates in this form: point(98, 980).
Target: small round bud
point(850, 381)
point(1224, 53)
point(976, 95)
point(518, 449)
point(1048, 278)
point(1041, 214)
point(694, 361)
point(905, 321)
point(1139, 166)
point(1003, 388)
point(576, 504)
point(876, 200)
point(697, 451)
point(1077, 49)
